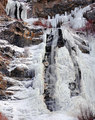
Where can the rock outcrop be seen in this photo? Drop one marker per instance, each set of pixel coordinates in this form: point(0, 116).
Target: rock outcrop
point(45, 8)
point(4, 3)
point(2, 7)
point(90, 14)
point(18, 34)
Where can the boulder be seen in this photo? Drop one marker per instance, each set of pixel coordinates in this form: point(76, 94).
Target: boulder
point(18, 72)
point(22, 72)
point(2, 10)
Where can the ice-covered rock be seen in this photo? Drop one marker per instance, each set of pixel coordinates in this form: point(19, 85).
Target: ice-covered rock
point(16, 9)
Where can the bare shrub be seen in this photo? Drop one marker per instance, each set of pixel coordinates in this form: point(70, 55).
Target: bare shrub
point(86, 114)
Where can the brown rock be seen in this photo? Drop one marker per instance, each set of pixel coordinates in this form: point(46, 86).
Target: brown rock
point(2, 7)
point(43, 8)
point(4, 62)
point(18, 72)
point(22, 72)
point(18, 34)
point(2, 10)
point(9, 92)
point(4, 3)
point(3, 83)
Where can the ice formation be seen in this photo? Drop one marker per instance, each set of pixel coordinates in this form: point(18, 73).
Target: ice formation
point(16, 9)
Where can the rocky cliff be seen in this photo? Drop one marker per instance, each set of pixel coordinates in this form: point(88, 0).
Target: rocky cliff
point(45, 8)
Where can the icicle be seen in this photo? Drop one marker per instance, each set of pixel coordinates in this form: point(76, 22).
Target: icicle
point(16, 10)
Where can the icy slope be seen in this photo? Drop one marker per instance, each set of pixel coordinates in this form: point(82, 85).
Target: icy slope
point(27, 101)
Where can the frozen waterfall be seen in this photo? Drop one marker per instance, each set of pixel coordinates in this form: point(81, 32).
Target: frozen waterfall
point(62, 69)
point(16, 10)
point(66, 71)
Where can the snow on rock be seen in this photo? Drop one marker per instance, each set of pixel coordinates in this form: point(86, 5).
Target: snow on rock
point(75, 19)
point(27, 92)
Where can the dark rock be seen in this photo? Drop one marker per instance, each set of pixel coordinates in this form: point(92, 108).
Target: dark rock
point(7, 49)
point(9, 84)
point(4, 2)
point(3, 66)
point(3, 86)
point(30, 74)
point(18, 72)
point(53, 7)
point(15, 34)
point(72, 86)
point(61, 42)
point(84, 50)
point(22, 72)
point(90, 14)
point(20, 35)
point(2, 7)
point(36, 41)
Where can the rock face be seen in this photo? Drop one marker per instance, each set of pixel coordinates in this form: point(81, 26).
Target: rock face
point(17, 34)
point(43, 8)
point(4, 3)
point(2, 7)
point(90, 15)
point(3, 84)
point(4, 62)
